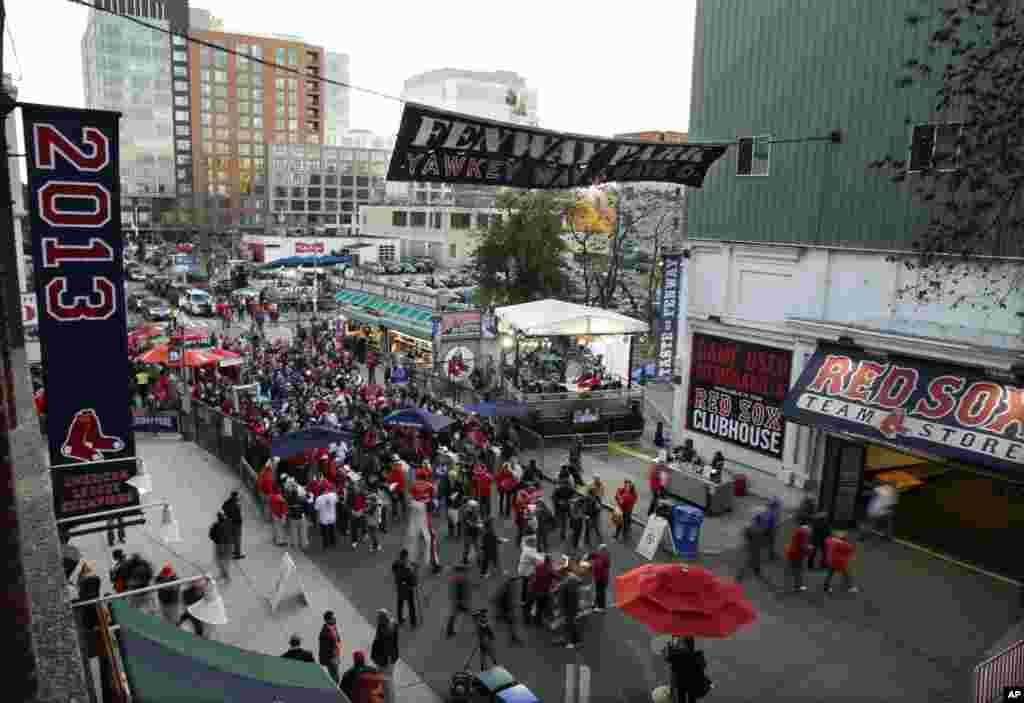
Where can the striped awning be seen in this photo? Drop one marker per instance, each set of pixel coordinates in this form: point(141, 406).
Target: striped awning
point(375, 310)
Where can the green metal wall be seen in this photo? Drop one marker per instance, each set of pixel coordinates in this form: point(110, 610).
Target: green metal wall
point(801, 68)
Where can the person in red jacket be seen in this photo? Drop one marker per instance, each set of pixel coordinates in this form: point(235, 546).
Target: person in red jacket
point(506, 479)
point(625, 499)
point(656, 478)
point(838, 555)
point(797, 551)
point(265, 485)
point(398, 476)
point(601, 567)
point(482, 480)
point(279, 513)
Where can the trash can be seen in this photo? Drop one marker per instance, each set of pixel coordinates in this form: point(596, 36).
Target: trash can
point(741, 485)
point(686, 523)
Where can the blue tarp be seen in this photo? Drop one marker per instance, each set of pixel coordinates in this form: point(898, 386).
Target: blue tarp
point(296, 261)
point(499, 408)
point(418, 418)
point(319, 437)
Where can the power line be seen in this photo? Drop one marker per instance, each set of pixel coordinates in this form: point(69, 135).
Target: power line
point(264, 62)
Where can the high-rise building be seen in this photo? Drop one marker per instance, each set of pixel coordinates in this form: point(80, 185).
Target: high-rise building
point(143, 74)
point(241, 106)
point(336, 99)
point(495, 95)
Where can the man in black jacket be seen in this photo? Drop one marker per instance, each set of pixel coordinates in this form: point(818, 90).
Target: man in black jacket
point(406, 582)
point(562, 497)
point(232, 508)
point(296, 651)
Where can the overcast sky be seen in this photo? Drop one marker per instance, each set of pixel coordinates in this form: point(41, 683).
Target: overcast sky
point(599, 68)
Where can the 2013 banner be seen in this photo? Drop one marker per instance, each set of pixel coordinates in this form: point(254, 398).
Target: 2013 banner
point(75, 210)
point(449, 147)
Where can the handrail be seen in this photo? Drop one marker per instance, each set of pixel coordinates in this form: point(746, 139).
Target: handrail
point(987, 690)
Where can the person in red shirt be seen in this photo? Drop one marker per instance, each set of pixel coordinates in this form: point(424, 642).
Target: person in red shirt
point(316, 486)
point(797, 551)
point(265, 485)
point(626, 499)
point(540, 589)
point(482, 480)
point(279, 513)
point(657, 483)
point(600, 567)
point(506, 479)
point(838, 555)
point(398, 476)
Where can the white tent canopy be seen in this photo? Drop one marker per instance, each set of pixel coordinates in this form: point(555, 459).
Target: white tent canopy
point(557, 318)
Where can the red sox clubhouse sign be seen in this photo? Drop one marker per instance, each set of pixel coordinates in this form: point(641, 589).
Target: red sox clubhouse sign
point(944, 410)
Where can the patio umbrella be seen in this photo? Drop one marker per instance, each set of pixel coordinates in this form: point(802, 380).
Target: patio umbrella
point(499, 408)
point(418, 418)
point(316, 437)
point(683, 600)
point(161, 354)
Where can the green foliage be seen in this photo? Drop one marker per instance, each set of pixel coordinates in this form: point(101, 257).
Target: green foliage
point(519, 259)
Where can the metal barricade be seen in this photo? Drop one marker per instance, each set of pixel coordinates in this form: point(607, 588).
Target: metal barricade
point(1004, 669)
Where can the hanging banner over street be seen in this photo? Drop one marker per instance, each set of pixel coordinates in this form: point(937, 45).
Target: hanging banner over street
point(448, 147)
point(74, 205)
point(671, 313)
point(938, 409)
point(736, 393)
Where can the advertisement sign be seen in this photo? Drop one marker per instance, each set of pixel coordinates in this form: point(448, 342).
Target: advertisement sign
point(310, 248)
point(448, 147)
point(81, 489)
point(653, 535)
point(74, 205)
point(736, 393)
point(460, 324)
point(459, 363)
point(939, 409)
point(156, 423)
point(674, 299)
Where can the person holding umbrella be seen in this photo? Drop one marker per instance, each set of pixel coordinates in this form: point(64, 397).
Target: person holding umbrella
point(688, 665)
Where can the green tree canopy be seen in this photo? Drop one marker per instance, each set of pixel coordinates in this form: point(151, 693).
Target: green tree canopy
point(519, 258)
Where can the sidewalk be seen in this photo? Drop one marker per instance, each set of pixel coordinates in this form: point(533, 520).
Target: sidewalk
point(196, 484)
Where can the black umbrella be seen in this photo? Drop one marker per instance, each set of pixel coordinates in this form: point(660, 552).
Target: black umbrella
point(317, 437)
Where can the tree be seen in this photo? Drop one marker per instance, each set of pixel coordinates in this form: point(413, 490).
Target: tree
point(519, 256)
point(974, 183)
point(591, 225)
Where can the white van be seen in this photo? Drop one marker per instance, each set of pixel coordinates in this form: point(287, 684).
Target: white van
point(196, 302)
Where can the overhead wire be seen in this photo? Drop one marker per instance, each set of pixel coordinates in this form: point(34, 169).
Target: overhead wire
point(213, 45)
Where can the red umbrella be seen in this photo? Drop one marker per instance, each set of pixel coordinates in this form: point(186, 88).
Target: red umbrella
point(683, 600)
point(160, 354)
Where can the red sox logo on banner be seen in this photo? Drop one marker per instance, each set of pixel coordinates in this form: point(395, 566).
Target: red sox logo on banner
point(309, 247)
point(74, 204)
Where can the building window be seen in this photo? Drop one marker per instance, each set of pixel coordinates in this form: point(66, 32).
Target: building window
point(753, 156)
point(385, 252)
point(220, 91)
point(244, 149)
point(934, 146)
point(256, 51)
point(399, 218)
point(180, 56)
point(435, 220)
point(461, 220)
point(221, 120)
point(181, 100)
point(280, 55)
point(220, 76)
point(452, 251)
point(181, 86)
point(181, 115)
point(219, 105)
point(257, 123)
point(293, 57)
point(482, 220)
point(299, 205)
point(244, 121)
point(418, 218)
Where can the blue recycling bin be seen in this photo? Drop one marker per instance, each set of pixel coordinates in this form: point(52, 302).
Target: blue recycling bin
point(685, 524)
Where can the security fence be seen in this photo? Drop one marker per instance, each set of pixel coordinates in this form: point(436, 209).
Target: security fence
point(225, 437)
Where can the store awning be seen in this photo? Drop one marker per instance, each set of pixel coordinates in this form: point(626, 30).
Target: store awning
point(375, 310)
point(557, 318)
point(167, 665)
point(941, 409)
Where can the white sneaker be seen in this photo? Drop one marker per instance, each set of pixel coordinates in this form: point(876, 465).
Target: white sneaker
point(802, 588)
point(853, 589)
point(570, 646)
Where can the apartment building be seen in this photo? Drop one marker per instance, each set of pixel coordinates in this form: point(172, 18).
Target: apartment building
point(445, 234)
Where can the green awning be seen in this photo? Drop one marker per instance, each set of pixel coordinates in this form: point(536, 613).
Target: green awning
point(408, 319)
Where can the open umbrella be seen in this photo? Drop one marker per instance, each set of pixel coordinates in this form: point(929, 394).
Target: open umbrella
point(499, 408)
point(418, 418)
point(316, 437)
point(161, 354)
point(683, 600)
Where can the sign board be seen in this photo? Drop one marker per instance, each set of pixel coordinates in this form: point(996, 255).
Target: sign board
point(671, 314)
point(459, 363)
point(653, 534)
point(941, 409)
point(736, 393)
point(310, 248)
point(448, 147)
point(286, 573)
point(78, 266)
point(156, 423)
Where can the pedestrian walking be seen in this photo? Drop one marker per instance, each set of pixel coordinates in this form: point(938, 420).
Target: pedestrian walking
point(545, 524)
point(508, 601)
point(372, 518)
point(482, 484)
point(600, 568)
point(169, 597)
point(455, 500)
point(327, 514)
point(296, 651)
point(839, 553)
point(659, 436)
point(384, 651)
point(471, 530)
point(821, 528)
point(489, 552)
point(577, 520)
point(562, 498)
point(279, 515)
point(461, 596)
point(298, 535)
point(688, 665)
point(797, 551)
point(233, 511)
point(265, 486)
point(356, 684)
point(593, 508)
point(507, 485)
point(540, 585)
point(371, 367)
point(881, 511)
point(625, 501)
point(406, 583)
point(222, 536)
point(753, 538)
point(657, 478)
point(330, 647)
point(118, 571)
point(569, 596)
point(770, 521)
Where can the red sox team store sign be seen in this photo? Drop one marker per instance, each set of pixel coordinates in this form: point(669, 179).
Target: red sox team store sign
point(74, 203)
point(944, 410)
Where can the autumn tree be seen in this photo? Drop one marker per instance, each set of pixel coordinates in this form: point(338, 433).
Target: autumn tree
point(590, 224)
point(519, 257)
point(969, 172)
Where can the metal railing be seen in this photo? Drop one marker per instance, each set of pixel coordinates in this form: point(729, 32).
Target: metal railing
point(1003, 669)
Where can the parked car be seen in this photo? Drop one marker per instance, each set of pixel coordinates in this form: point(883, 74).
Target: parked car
point(196, 302)
point(154, 309)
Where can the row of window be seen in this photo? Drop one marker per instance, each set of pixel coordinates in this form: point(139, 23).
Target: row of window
point(458, 220)
point(329, 179)
point(314, 193)
point(313, 206)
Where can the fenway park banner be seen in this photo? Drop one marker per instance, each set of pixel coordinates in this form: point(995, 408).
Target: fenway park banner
point(938, 409)
point(736, 393)
point(74, 205)
point(448, 147)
